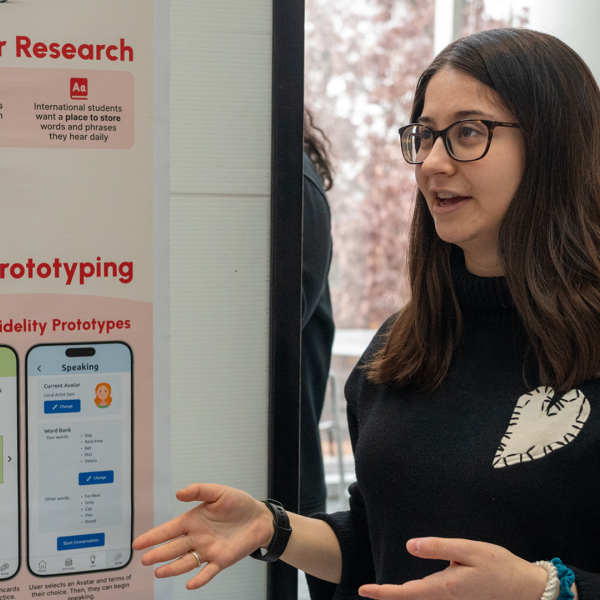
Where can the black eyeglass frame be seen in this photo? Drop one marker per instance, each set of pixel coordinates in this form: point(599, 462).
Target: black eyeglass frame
point(443, 133)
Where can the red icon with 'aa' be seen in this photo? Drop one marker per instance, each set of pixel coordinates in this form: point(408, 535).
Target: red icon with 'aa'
point(79, 88)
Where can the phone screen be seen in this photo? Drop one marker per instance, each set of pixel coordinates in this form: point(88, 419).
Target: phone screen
point(79, 457)
point(9, 464)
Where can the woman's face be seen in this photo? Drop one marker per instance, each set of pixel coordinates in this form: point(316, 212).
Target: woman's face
point(469, 200)
point(103, 392)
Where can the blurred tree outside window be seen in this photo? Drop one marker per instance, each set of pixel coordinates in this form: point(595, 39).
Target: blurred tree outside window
point(363, 60)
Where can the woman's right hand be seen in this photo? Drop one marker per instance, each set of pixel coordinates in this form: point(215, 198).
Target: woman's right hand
point(227, 526)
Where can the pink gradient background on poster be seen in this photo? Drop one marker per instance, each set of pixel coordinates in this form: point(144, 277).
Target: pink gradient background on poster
point(70, 308)
point(22, 88)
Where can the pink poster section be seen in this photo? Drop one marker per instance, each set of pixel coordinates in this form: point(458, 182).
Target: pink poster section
point(66, 108)
point(27, 320)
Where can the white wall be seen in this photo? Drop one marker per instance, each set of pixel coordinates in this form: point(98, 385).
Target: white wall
point(447, 23)
point(575, 22)
point(220, 256)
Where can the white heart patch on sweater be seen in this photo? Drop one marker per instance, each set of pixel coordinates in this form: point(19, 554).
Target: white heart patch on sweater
point(538, 427)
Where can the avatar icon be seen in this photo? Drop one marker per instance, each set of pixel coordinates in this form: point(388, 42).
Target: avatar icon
point(103, 398)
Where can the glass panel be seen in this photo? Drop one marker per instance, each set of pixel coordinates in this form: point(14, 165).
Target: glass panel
point(363, 60)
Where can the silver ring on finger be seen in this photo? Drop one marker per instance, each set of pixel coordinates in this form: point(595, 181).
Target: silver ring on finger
point(197, 558)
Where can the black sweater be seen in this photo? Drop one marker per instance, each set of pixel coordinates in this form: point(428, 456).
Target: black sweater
point(441, 463)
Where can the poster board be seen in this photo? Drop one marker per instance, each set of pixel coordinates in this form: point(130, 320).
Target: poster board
point(83, 295)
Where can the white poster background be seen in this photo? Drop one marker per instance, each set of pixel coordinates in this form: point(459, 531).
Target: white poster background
point(84, 227)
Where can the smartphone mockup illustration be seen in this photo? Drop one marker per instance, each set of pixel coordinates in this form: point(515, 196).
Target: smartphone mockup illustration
point(9, 464)
point(79, 411)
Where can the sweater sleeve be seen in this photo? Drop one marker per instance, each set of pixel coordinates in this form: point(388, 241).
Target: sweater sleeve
point(351, 527)
point(352, 533)
point(588, 584)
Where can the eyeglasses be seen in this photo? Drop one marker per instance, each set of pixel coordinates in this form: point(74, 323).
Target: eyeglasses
point(464, 141)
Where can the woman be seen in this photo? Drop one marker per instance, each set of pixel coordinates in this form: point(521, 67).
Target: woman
point(474, 414)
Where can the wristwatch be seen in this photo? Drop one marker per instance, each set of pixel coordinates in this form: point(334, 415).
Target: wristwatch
point(283, 530)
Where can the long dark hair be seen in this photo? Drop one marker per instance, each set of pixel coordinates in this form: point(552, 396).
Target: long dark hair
point(549, 241)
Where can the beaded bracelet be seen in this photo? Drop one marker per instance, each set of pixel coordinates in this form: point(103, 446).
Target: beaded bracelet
point(560, 578)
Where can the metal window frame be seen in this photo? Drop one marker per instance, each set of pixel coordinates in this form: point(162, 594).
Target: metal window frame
point(286, 272)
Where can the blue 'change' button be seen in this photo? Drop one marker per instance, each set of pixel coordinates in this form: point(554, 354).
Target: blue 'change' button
point(96, 477)
point(55, 407)
point(72, 542)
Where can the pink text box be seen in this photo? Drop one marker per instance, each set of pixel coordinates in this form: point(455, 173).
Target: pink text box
point(64, 108)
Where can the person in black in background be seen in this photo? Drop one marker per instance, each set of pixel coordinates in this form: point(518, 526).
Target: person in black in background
point(317, 317)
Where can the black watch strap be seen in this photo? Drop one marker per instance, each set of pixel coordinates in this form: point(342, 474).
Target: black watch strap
point(283, 530)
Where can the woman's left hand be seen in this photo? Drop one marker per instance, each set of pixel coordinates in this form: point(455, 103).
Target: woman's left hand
point(477, 570)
